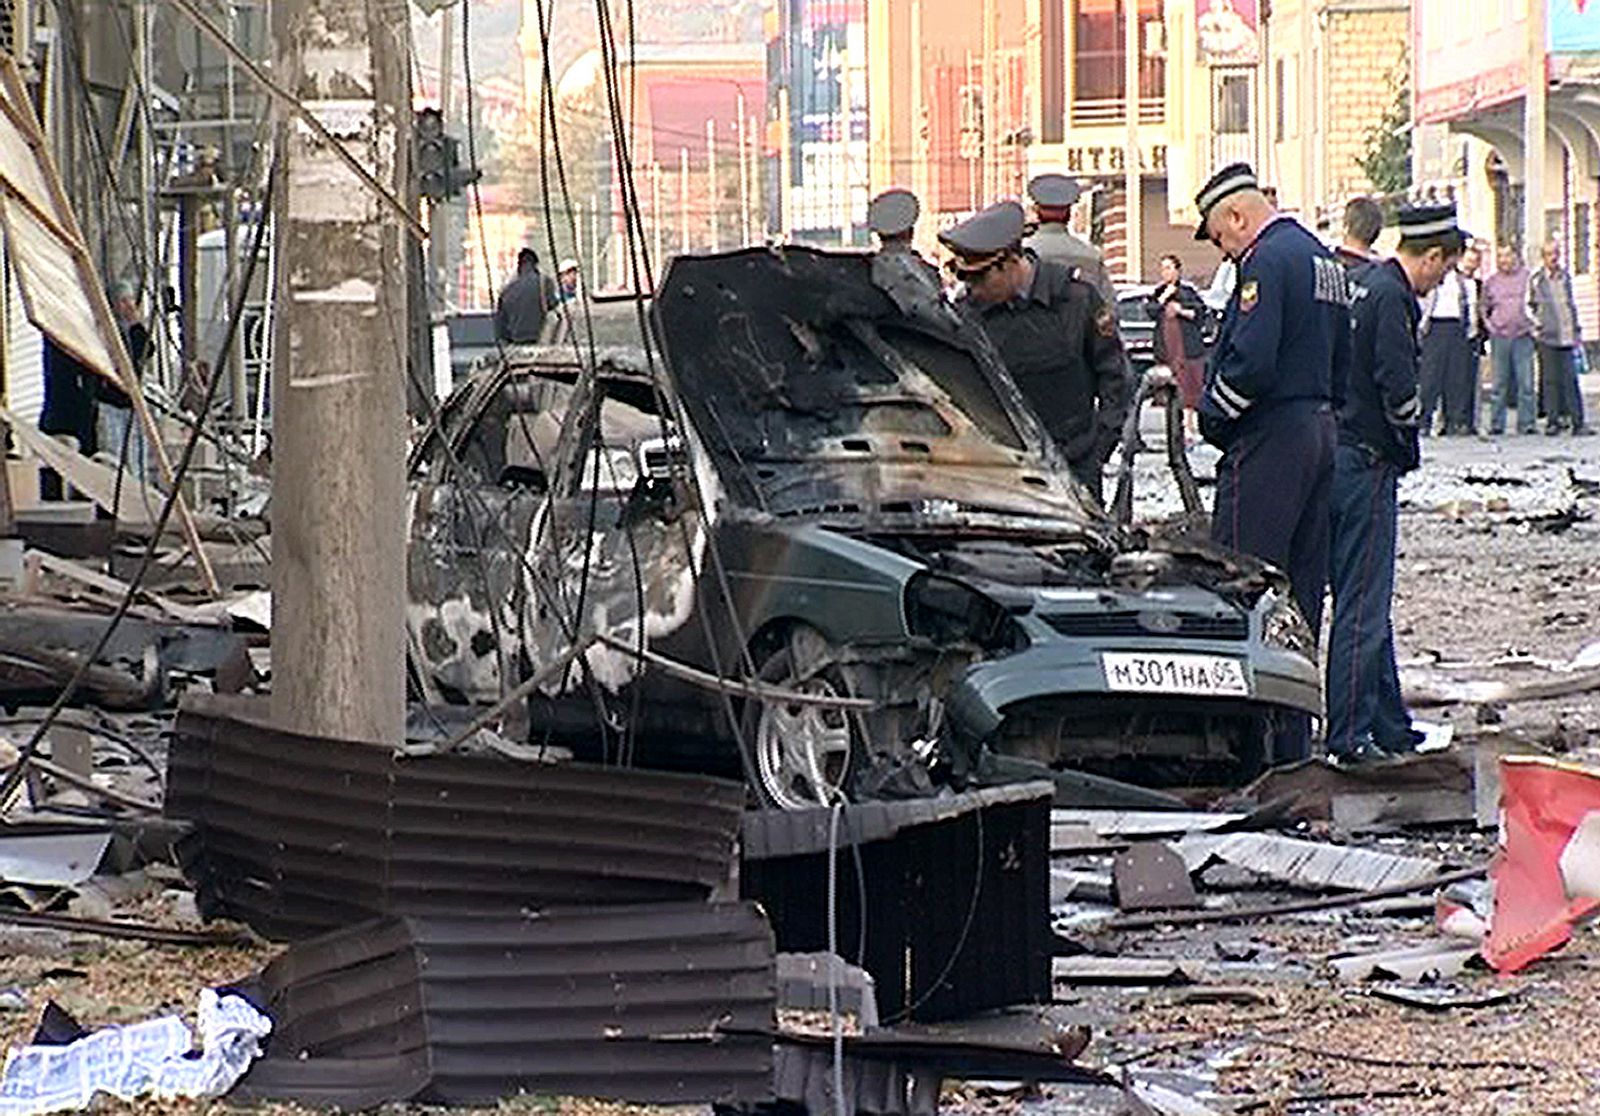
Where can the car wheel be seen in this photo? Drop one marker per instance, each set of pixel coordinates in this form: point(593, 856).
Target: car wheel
point(802, 756)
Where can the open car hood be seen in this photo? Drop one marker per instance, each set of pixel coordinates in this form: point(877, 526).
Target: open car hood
point(844, 385)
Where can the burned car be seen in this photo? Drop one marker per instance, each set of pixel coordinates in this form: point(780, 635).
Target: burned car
point(812, 532)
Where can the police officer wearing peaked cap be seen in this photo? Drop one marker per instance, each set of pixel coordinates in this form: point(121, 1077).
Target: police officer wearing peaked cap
point(892, 217)
point(1056, 335)
point(1378, 442)
point(1053, 197)
point(897, 267)
point(1277, 372)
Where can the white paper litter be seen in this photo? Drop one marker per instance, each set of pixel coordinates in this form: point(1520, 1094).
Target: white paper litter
point(154, 1058)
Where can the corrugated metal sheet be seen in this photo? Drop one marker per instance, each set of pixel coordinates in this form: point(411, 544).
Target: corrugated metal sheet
point(659, 1003)
point(297, 834)
point(957, 888)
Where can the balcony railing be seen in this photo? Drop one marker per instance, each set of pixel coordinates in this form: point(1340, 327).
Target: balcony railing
point(1111, 110)
point(1232, 147)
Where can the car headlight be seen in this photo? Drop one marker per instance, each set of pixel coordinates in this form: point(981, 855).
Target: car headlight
point(944, 610)
point(1282, 626)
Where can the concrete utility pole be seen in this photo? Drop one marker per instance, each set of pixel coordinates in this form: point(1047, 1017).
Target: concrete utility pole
point(1533, 140)
point(339, 413)
point(1132, 184)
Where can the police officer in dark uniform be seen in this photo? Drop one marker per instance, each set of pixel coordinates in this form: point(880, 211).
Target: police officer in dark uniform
point(1276, 375)
point(1053, 198)
point(892, 217)
point(1378, 441)
point(1056, 335)
point(898, 269)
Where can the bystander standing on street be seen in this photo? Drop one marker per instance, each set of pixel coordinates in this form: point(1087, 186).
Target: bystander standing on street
point(1510, 330)
point(116, 430)
point(1276, 373)
point(1557, 338)
point(519, 314)
point(1448, 359)
point(1477, 338)
point(1178, 309)
point(1378, 442)
point(1363, 221)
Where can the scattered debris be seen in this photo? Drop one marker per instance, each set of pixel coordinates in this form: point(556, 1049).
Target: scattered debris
point(1431, 962)
point(155, 1058)
point(1272, 910)
point(1141, 823)
point(51, 853)
point(1146, 1098)
point(1120, 970)
point(1149, 877)
point(1383, 793)
point(1443, 997)
point(1306, 864)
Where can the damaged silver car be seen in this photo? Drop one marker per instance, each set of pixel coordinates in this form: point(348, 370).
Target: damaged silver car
point(812, 533)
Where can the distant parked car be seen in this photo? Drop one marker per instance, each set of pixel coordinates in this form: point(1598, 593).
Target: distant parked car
point(1138, 325)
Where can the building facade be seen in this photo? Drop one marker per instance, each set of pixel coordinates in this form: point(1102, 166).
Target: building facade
point(1472, 63)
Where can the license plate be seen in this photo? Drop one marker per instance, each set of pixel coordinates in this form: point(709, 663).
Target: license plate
point(1203, 675)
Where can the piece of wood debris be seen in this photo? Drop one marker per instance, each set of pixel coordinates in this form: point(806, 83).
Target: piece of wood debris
point(1312, 865)
point(1275, 910)
point(1434, 961)
point(1242, 995)
point(1383, 811)
point(1142, 823)
point(1442, 997)
point(1071, 838)
point(1119, 970)
point(1423, 694)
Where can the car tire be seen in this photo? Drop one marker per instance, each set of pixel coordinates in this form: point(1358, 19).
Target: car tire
point(801, 756)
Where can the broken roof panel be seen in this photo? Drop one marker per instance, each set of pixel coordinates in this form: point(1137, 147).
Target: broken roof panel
point(44, 244)
point(297, 834)
point(658, 1003)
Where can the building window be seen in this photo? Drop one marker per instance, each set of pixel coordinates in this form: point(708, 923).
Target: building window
point(1231, 114)
point(1099, 31)
point(1231, 140)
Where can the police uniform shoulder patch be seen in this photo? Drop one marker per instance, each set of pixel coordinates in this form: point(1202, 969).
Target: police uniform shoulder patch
point(1249, 294)
point(1106, 322)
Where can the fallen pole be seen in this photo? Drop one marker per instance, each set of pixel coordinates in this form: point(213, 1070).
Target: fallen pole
point(1301, 906)
point(85, 784)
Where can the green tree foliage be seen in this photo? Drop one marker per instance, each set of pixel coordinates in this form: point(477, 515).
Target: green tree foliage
point(1387, 158)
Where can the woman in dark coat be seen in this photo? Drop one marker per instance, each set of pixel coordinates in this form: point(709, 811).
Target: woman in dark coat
point(1178, 308)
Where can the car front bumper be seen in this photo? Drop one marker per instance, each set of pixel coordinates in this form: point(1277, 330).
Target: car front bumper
point(977, 704)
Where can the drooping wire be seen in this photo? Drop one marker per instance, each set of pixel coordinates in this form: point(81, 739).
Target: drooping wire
point(592, 685)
